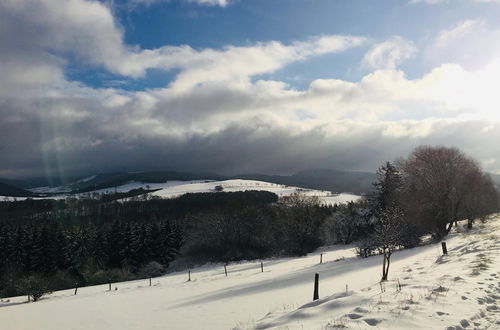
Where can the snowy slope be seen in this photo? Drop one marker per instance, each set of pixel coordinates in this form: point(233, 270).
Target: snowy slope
point(460, 290)
point(171, 189)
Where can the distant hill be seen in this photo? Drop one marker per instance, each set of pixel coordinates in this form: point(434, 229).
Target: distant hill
point(322, 179)
point(102, 181)
point(13, 191)
point(110, 180)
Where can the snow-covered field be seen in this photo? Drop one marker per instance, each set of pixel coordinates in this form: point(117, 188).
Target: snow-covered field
point(458, 291)
point(171, 189)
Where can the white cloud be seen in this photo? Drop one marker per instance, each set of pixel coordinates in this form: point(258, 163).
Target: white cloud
point(468, 43)
point(389, 54)
point(220, 3)
point(445, 37)
point(238, 64)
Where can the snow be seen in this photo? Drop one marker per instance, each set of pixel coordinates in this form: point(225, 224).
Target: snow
point(171, 189)
point(456, 291)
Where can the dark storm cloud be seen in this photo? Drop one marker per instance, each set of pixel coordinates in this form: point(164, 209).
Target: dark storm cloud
point(69, 143)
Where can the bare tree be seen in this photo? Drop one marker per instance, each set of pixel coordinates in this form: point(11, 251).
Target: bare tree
point(481, 197)
point(436, 182)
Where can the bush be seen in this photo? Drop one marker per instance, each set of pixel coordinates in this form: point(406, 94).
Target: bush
point(366, 247)
point(109, 275)
point(152, 269)
point(409, 236)
point(35, 286)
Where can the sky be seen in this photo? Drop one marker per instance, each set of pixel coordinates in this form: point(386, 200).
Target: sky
point(239, 86)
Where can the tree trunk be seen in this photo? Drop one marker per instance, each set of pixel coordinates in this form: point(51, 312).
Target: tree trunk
point(469, 223)
point(448, 229)
point(384, 274)
point(388, 264)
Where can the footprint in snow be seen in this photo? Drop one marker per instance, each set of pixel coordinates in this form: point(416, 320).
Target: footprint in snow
point(372, 322)
point(354, 316)
point(492, 308)
point(361, 310)
point(489, 300)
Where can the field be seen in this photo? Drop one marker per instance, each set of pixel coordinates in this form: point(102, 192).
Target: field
point(171, 189)
point(426, 290)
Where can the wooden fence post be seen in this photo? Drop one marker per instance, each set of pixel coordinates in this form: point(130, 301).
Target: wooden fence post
point(109, 286)
point(225, 270)
point(443, 245)
point(76, 289)
point(261, 267)
point(149, 280)
point(316, 287)
point(189, 275)
point(321, 258)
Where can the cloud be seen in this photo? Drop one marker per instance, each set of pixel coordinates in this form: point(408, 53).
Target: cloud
point(467, 43)
point(389, 54)
point(445, 37)
point(219, 3)
point(258, 127)
point(216, 115)
point(88, 31)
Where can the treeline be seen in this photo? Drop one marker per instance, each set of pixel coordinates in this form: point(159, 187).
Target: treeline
point(292, 227)
point(100, 209)
point(83, 255)
point(424, 194)
point(77, 242)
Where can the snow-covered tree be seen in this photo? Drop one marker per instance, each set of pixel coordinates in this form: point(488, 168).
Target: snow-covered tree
point(388, 236)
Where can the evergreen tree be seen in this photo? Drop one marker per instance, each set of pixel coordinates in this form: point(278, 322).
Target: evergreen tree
point(387, 188)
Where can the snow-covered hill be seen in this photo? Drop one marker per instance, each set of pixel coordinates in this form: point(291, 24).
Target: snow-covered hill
point(171, 189)
point(458, 291)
